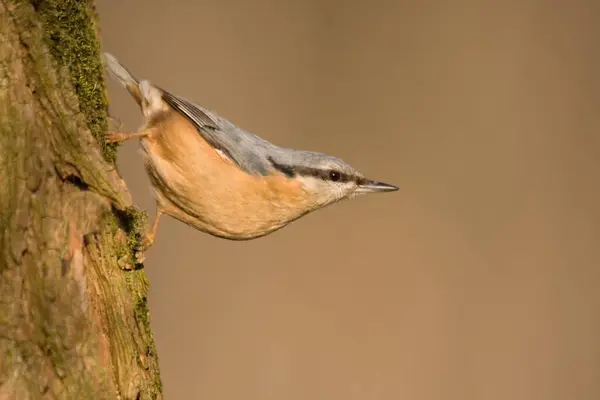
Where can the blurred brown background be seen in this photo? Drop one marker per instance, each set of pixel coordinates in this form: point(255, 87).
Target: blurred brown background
point(478, 280)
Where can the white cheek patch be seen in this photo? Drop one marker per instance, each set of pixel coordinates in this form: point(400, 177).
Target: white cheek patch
point(311, 184)
point(323, 192)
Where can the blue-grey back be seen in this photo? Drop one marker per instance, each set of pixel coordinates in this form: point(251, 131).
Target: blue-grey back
point(250, 152)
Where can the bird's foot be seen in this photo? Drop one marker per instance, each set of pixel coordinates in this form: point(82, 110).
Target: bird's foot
point(144, 245)
point(117, 137)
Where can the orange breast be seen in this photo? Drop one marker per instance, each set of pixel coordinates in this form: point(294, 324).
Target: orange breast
point(213, 193)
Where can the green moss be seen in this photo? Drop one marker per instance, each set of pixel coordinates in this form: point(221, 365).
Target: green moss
point(134, 222)
point(70, 33)
point(127, 227)
point(138, 287)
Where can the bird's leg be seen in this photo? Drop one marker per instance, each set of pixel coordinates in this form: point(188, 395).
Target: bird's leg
point(148, 237)
point(117, 137)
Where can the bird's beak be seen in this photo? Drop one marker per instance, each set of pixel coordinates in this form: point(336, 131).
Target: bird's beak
point(368, 186)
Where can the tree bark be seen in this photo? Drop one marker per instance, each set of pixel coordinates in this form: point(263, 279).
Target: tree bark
point(74, 319)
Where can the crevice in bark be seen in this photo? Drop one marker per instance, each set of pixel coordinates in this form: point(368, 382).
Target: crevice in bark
point(77, 182)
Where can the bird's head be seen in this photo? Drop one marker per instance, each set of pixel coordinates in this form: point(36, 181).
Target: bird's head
point(327, 179)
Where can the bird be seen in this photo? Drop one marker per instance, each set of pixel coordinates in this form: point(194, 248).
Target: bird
point(221, 179)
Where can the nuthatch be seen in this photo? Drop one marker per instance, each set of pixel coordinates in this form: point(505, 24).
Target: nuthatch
point(222, 180)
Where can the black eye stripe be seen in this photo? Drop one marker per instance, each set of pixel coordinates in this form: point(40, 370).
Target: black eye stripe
point(326, 175)
point(335, 176)
point(287, 170)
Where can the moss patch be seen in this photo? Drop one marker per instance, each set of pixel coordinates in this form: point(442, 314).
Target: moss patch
point(120, 229)
point(134, 222)
point(127, 227)
point(70, 33)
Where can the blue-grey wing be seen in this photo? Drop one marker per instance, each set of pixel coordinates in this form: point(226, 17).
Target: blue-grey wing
point(243, 148)
point(194, 113)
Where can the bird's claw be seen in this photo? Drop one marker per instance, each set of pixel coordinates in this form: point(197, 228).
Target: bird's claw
point(144, 245)
point(116, 137)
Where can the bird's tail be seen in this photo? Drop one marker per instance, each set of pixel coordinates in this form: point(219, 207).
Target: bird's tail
point(123, 76)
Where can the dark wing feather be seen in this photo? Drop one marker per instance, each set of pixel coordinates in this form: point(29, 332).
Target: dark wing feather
point(198, 117)
point(240, 146)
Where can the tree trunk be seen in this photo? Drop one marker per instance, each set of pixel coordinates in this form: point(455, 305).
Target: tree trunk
point(73, 314)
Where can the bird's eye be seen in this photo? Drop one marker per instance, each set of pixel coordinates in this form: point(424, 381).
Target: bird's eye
point(334, 176)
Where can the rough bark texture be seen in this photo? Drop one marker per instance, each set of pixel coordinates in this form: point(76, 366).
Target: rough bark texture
point(73, 312)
